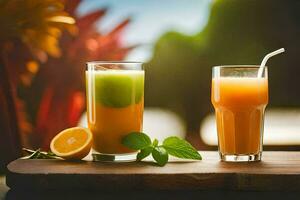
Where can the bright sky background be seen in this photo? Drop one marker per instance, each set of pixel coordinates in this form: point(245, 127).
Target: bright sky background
point(150, 19)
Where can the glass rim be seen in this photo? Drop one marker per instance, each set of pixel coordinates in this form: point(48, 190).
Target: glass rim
point(113, 62)
point(237, 66)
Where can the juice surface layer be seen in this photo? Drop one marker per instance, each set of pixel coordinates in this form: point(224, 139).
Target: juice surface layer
point(117, 88)
point(238, 92)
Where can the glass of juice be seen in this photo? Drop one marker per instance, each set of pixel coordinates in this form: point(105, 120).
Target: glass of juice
point(115, 104)
point(239, 97)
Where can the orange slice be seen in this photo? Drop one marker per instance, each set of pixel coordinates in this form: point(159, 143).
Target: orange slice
point(72, 143)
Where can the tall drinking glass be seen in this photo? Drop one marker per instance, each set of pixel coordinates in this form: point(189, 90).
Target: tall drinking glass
point(239, 98)
point(115, 104)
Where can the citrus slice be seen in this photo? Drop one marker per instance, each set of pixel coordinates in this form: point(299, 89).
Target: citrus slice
point(72, 143)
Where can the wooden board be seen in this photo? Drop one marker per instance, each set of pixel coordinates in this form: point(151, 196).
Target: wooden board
point(277, 171)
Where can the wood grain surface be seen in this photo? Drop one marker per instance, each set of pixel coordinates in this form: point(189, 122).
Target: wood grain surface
point(277, 171)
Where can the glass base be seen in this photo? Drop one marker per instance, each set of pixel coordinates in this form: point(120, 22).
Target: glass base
point(240, 157)
point(100, 157)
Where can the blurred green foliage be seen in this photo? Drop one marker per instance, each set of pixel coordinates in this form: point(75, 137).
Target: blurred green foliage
point(178, 77)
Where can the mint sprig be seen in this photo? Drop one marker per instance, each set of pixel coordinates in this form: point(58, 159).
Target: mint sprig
point(173, 145)
point(38, 154)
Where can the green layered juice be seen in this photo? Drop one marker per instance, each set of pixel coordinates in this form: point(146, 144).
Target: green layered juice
point(115, 101)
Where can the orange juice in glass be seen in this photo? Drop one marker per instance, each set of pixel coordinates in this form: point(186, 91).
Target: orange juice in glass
point(115, 104)
point(239, 98)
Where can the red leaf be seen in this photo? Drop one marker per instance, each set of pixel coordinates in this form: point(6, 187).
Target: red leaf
point(71, 6)
point(119, 28)
point(76, 106)
point(88, 20)
point(44, 108)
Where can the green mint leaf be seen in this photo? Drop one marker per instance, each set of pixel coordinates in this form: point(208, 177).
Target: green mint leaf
point(160, 155)
point(144, 153)
point(50, 153)
point(136, 140)
point(38, 154)
point(29, 151)
point(35, 154)
point(180, 148)
point(155, 143)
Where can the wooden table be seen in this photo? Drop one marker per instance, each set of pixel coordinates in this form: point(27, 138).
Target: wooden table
point(278, 171)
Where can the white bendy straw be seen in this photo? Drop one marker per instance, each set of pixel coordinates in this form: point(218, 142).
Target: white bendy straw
point(266, 58)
